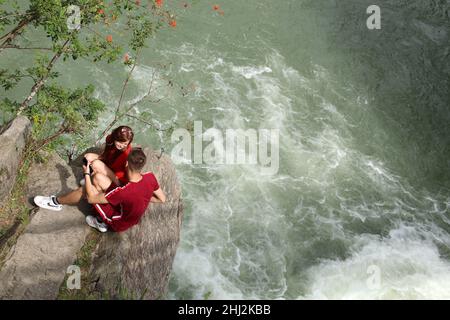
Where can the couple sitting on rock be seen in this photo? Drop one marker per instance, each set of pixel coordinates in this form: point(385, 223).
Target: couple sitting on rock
point(113, 184)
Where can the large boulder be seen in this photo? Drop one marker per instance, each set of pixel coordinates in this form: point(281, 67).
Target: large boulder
point(13, 138)
point(37, 264)
point(136, 264)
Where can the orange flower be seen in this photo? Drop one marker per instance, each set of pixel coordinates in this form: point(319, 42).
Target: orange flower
point(173, 23)
point(101, 11)
point(109, 38)
point(159, 3)
point(216, 7)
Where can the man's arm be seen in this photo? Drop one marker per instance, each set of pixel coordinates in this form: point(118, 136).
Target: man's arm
point(92, 194)
point(158, 196)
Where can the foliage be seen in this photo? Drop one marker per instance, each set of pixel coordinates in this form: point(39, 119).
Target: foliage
point(53, 110)
point(7, 110)
point(10, 15)
point(59, 111)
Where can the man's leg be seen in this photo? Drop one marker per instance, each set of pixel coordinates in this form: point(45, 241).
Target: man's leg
point(101, 184)
point(72, 197)
point(55, 203)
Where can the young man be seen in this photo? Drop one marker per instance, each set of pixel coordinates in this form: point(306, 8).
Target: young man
point(118, 208)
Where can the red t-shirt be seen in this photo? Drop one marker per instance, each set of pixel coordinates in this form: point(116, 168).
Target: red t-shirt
point(126, 205)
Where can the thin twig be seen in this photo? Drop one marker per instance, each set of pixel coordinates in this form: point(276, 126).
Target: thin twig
point(149, 123)
point(14, 15)
point(25, 48)
point(117, 112)
point(126, 83)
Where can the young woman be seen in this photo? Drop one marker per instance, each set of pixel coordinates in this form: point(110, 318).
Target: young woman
point(111, 162)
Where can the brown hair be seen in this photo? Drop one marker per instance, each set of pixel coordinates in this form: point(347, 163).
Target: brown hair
point(122, 134)
point(136, 159)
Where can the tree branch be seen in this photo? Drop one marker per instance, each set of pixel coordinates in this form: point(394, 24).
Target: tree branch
point(63, 129)
point(38, 85)
point(10, 36)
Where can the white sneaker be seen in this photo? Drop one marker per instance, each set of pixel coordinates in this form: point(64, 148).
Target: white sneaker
point(47, 203)
point(94, 223)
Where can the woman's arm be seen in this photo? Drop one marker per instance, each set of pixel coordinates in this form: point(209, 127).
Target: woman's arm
point(158, 196)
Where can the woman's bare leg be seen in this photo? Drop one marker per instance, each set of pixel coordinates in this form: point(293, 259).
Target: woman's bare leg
point(100, 167)
point(101, 182)
point(91, 156)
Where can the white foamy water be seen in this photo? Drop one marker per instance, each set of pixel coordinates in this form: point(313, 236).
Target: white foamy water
point(404, 265)
point(314, 230)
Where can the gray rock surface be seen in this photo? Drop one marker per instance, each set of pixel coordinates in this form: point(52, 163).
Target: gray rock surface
point(37, 264)
point(13, 137)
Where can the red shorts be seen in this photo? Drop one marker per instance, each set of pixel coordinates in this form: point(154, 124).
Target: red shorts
point(106, 211)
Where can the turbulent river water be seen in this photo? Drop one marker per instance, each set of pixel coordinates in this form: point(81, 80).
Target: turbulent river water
point(360, 205)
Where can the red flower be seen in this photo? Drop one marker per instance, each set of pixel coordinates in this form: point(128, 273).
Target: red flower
point(173, 23)
point(109, 38)
point(159, 3)
point(101, 11)
point(216, 7)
